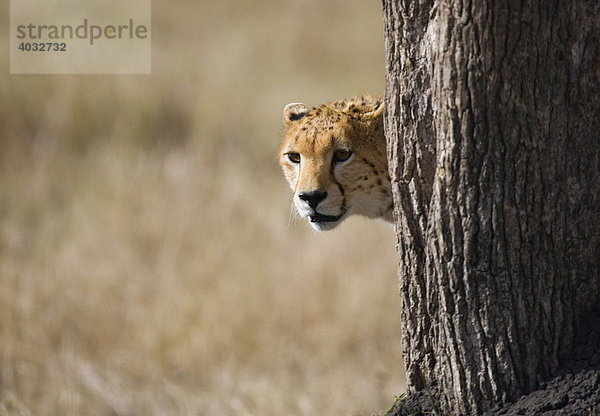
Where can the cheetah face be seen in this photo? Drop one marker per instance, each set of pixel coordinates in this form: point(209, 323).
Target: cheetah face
point(319, 194)
point(335, 162)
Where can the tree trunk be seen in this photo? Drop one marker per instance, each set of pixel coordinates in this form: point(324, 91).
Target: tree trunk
point(493, 128)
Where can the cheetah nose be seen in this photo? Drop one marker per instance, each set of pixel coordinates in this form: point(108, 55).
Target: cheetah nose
point(313, 198)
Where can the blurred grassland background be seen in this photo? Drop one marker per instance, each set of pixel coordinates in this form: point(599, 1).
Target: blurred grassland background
point(149, 260)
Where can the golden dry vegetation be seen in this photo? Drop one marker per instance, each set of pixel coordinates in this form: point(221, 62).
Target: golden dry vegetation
point(149, 260)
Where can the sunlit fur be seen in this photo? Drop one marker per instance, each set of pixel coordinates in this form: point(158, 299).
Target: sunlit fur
point(359, 185)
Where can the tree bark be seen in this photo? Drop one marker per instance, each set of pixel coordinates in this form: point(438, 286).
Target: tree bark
point(493, 128)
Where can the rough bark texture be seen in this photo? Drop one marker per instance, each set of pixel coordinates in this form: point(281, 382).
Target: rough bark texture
point(493, 128)
point(573, 391)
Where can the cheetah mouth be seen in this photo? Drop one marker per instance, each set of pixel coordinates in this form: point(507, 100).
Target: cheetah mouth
point(316, 217)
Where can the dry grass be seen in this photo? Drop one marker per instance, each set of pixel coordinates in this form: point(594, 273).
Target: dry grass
point(148, 263)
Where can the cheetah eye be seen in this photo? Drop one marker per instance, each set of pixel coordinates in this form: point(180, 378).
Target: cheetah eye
point(341, 155)
point(293, 157)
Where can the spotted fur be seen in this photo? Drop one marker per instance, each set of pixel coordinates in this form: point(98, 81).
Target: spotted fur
point(334, 158)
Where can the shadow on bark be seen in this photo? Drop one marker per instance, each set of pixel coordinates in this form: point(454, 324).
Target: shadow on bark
point(573, 390)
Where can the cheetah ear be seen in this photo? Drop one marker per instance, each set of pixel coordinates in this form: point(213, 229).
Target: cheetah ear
point(376, 111)
point(293, 112)
point(364, 109)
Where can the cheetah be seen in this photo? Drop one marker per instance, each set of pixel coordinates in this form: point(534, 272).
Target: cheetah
point(334, 158)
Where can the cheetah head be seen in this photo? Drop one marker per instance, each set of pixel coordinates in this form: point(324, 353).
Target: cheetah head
point(334, 158)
